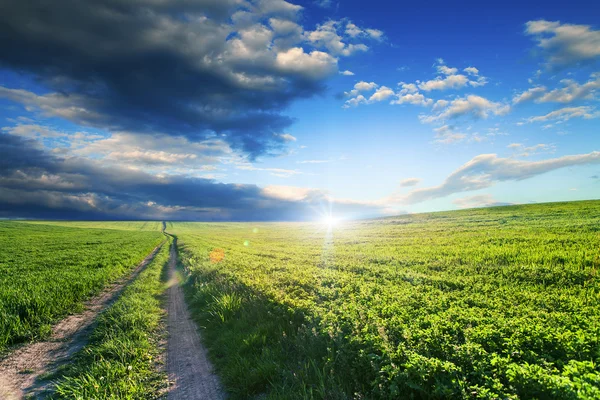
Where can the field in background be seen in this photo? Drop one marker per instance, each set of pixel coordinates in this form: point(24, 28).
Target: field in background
point(488, 303)
point(119, 225)
point(48, 271)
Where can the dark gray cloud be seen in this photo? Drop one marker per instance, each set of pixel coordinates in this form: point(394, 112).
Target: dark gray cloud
point(183, 67)
point(35, 183)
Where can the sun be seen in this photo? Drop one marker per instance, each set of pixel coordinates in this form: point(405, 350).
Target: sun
point(329, 220)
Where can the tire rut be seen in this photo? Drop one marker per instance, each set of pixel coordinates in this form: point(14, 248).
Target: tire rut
point(190, 372)
point(20, 369)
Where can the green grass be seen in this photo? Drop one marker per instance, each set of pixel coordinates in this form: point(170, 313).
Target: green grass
point(487, 303)
point(120, 360)
point(47, 272)
point(119, 225)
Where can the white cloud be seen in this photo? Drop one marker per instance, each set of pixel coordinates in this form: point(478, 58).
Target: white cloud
point(527, 151)
point(570, 92)
point(383, 93)
point(448, 82)
point(374, 34)
point(471, 71)
point(330, 35)
point(444, 69)
point(347, 73)
point(565, 44)
point(413, 98)
point(365, 86)
point(360, 99)
point(565, 114)
point(486, 170)
point(315, 64)
point(410, 182)
point(529, 94)
point(287, 137)
point(472, 105)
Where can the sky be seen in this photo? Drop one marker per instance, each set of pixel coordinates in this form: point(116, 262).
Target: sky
point(242, 110)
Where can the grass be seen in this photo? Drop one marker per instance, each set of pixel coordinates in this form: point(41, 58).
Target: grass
point(488, 303)
point(118, 225)
point(120, 360)
point(47, 272)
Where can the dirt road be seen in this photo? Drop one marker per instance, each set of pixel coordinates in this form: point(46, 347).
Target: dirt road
point(21, 368)
point(190, 372)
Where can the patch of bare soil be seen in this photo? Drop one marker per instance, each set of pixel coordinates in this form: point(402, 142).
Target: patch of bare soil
point(190, 373)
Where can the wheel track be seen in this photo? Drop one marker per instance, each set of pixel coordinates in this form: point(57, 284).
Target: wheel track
point(190, 372)
point(20, 369)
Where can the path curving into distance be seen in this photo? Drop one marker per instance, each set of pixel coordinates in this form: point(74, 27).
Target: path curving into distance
point(190, 373)
point(19, 370)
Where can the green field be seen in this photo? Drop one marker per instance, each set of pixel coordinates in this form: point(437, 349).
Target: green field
point(487, 303)
point(120, 360)
point(119, 225)
point(47, 271)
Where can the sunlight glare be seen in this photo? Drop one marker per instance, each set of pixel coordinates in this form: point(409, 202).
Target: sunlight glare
point(329, 221)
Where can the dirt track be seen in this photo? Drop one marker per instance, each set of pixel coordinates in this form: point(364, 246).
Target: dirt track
point(190, 372)
point(21, 368)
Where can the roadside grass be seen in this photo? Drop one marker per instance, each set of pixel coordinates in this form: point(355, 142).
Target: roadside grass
point(47, 272)
point(121, 359)
point(488, 303)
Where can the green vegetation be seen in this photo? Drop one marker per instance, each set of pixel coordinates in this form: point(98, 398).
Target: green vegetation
point(119, 361)
point(47, 272)
point(488, 303)
point(119, 225)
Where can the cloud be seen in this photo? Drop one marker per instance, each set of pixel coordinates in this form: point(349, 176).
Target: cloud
point(527, 151)
point(485, 170)
point(451, 79)
point(184, 68)
point(332, 35)
point(565, 44)
point(570, 92)
point(347, 73)
point(410, 182)
point(480, 200)
point(363, 86)
point(35, 183)
point(444, 83)
point(474, 106)
point(324, 3)
point(381, 94)
point(315, 65)
point(413, 98)
point(354, 102)
point(566, 113)
point(529, 94)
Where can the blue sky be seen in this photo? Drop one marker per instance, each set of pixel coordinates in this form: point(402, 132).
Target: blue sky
point(276, 110)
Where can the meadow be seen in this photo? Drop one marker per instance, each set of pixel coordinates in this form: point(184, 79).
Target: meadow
point(488, 303)
point(47, 271)
point(121, 359)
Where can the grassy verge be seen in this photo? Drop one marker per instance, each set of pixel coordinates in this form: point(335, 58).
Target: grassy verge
point(119, 362)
